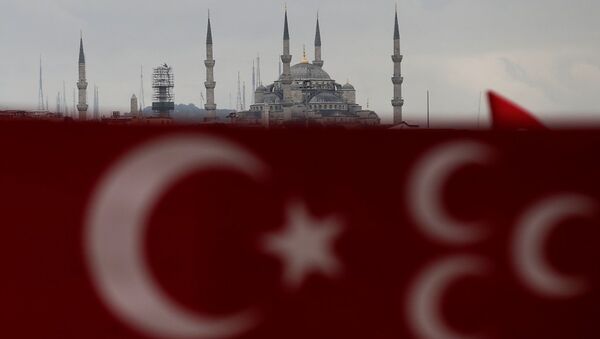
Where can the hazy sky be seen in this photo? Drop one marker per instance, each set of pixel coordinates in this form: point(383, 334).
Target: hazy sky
point(544, 54)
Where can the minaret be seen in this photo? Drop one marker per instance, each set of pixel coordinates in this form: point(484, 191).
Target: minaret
point(210, 84)
point(318, 57)
point(397, 79)
point(286, 76)
point(82, 84)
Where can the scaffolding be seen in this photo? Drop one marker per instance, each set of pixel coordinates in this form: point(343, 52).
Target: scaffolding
point(163, 83)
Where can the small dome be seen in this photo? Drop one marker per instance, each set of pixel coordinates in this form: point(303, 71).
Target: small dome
point(261, 88)
point(348, 87)
point(272, 98)
point(308, 72)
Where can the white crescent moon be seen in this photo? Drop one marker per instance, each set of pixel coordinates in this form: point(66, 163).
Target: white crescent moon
point(116, 223)
point(528, 244)
point(426, 188)
point(426, 295)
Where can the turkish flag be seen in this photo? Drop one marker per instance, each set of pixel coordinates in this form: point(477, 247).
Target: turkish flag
point(188, 232)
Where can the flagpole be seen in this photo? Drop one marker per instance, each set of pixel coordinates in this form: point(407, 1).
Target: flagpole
point(428, 112)
point(479, 112)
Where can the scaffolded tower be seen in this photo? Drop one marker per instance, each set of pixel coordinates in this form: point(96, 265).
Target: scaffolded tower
point(163, 83)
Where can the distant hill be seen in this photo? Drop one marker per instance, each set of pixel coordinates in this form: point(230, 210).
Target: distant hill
point(190, 113)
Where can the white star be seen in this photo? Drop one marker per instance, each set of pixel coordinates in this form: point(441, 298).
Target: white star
point(305, 246)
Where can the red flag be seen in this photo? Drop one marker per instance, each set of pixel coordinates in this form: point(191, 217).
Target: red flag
point(509, 116)
point(189, 232)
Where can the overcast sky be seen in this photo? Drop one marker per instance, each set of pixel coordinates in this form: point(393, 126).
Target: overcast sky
point(544, 54)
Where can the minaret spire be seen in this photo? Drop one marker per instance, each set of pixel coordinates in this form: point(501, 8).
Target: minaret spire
point(82, 84)
point(397, 79)
point(396, 26)
point(210, 84)
point(318, 57)
point(286, 30)
point(286, 76)
point(209, 39)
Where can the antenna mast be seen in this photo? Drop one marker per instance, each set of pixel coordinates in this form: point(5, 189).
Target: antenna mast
point(244, 97)
point(58, 103)
point(258, 77)
point(142, 97)
point(64, 98)
point(479, 111)
point(41, 93)
point(254, 77)
point(428, 112)
point(239, 94)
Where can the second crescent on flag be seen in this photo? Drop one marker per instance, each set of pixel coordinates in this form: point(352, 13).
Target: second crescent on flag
point(426, 191)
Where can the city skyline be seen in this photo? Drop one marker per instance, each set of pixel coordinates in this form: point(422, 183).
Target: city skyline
point(549, 70)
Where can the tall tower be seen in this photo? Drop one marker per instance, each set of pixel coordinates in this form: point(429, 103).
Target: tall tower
point(318, 57)
point(397, 79)
point(210, 84)
point(286, 76)
point(82, 84)
point(134, 111)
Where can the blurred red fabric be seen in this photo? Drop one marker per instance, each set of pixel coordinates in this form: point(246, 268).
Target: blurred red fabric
point(204, 236)
point(507, 115)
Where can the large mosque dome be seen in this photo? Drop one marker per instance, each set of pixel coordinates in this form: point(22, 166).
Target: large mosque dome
point(305, 94)
point(306, 71)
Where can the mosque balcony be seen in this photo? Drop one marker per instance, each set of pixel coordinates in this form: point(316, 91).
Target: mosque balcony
point(210, 63)
point(210, 85)
point(286, 59)
point(82, 107)
point(397, 80)
point(82, 84)
point(398, 102)
point(397, 58)
point(210, 107)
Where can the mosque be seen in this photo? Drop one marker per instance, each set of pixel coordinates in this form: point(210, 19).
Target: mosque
point(305, 94)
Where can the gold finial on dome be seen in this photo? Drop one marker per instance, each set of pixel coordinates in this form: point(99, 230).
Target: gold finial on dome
point(304, 58)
